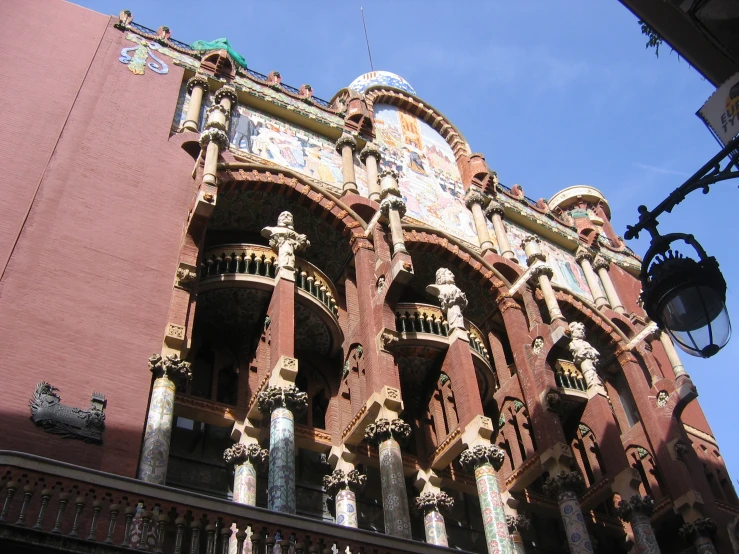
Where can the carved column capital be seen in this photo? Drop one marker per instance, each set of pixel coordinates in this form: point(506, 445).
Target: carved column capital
point(383, 429)
point(214, 135)
point(601, 262)
point(338, 481)
point(392, 203)
point(229, 92)
point(701, 527)
point(472, 197)
point(388, 173)
point(240, 453)
point(494, 207)
point(542, 269)
point(583, 254)
point(518, 523)
point(198, 80)
point(176, 370)
point(346, 140)
point(482, 454)
point(434, 502)
point(635, 505)
point(289, 397)
point(532, 247)
point(570, 481)
point(370, 150)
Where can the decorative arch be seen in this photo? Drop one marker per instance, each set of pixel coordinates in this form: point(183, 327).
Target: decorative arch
point(514, 432)
point(642, 460)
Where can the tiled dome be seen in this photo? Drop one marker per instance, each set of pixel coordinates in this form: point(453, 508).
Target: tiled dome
point(374, 78)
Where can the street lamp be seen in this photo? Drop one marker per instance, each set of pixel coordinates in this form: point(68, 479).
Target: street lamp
point(683, 295)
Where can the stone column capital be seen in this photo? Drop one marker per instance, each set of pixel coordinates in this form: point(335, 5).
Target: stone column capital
point(198, 80)
point(473, 197)
point(542, 269)
point(701, 527)
point(240, 453)
point(518, 523)
point(370, 150)
point(434, 502)
point(583, 253)
point(531, 245)
point(567, 481)
point(216, 117)
point(229, 92)
point(384, 429)
point(494, 207)
point(346, 140)
point(339, 481)
point(636, 505)
point(171, 367)
point(217, 136)
point(482, 454)
point(600, 262)
point(289, 397)
point(388, 173)
point(392, 203)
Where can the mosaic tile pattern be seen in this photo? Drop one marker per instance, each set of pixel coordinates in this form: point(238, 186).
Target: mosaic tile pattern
point(281, 490)
point(386, 78)
point(577, 533)
point(646, 542)
point(346, 508)
point(704, 545)
point(245, 484)
point(433, 524)
point(491, 506)
point(394, 498)
point(158, 433)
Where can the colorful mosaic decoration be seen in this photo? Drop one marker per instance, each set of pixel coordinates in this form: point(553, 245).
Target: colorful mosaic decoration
point(245, 484)
point(567, 272)
point(394, 500)
point(644, 534)
point(155, 451)
point(428, 175)
point(281, 491)
point(577, 533)
point(491, 506)
point(136, 57)
point(381, 78)
point(346, 508)
point(435, 528)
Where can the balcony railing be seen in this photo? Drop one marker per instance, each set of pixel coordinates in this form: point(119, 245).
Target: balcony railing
point(425, 318)
point(61, 507)
point(261, 261)
point(568, 376)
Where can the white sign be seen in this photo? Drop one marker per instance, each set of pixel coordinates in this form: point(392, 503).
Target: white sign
point(721, 110)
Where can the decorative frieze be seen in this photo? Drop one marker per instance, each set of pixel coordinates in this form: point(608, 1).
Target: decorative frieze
point(52, 416)
point(384, 429)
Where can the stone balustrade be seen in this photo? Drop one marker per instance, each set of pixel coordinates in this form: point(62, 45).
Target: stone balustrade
point(568, 376)
point(59, 506)
point(413, 317)
point(260, 261)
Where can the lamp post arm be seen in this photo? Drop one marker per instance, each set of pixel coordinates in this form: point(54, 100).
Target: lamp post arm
point(706, 176)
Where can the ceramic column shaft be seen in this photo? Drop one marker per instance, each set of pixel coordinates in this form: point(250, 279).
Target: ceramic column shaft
point(574, 522)
point(646, 542)
point(394, 498)
point(435, 528)
point(158, 433)
point(346, 508)
point(491, 505)
point(281, 497)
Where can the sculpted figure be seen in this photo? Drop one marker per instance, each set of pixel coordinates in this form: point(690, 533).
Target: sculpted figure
point(451, 299)
point(581, 349)
point(285, 240)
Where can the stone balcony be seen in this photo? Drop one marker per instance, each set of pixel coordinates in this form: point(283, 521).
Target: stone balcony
point(51, 506)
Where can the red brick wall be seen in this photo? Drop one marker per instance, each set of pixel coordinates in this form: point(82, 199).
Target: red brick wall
point(84, 299)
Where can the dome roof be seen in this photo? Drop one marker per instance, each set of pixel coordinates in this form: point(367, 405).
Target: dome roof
point(375, 78)
point(571, 195)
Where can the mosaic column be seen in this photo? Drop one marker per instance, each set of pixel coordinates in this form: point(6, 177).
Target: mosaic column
point(542, 273)
point(699, 533)
point(495, 212)
point(601, 265)
point(168, 372)
point(474, 200)
point(370, 156)
point(486, 459)
point(516, 525)
point(431, 504)
point(281, 403)
point(196, 87)
point(343, 487)
point(584, 257)
point(636, 511)
point(346, 146)
point(245, 459)
point(393, 208)
point(387, 434)
point(565, 488)
point(668, 345)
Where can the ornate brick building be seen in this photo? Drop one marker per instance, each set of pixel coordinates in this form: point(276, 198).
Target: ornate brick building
point(361, 335)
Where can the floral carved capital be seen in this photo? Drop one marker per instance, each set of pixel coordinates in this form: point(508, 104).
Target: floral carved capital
point(494, 207)
point(197, 80)
point(570, 481)
point(289, 397)
point(636, 505)
point(214, 135)
point(701, 527)
point(384, 429)
point(583, 254)
point(518, 524)
point(434, 502)
point(482, 454)
point(240, 453)
point(474, 197)
point(392, 203)
point(601, 263)
point(171, 367)
point(339, 481)
point(229, 92)
point(346, 140)
point(369, 150)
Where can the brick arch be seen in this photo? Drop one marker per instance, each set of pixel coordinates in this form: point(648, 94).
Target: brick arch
point(592, 317)
point(425, 112)
point(294, 186)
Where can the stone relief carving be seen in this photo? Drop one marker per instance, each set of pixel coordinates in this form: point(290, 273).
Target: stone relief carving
point(538, 345)
point(284, 240)
point(452, 300)
point(52, 416)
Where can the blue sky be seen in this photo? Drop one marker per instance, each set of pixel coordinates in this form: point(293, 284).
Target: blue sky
point(552, 93)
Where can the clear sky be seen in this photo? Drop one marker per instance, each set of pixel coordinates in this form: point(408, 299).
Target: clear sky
point(552, 93)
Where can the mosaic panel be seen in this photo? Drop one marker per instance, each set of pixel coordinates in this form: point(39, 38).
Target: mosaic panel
point(429, 178)
point(377, 78)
